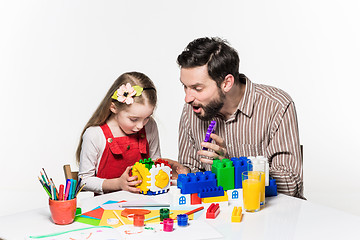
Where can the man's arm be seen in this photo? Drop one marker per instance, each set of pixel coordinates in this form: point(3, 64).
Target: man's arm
point(284, 153)
point(187, 151)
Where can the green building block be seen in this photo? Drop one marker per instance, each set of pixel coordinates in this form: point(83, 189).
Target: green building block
point(225, 173)
point(147, 162)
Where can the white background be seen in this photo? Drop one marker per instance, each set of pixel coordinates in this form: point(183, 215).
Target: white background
point(58, 59)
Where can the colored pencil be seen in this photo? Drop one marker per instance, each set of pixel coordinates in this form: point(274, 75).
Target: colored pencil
point(46, 175)
point(152, 218)
point(118, 218)
point(46, 190)
point(129, 205)
point(56, 191)
point(80, 189)
point(194, 211)
point(42, 175)
point(78, 185)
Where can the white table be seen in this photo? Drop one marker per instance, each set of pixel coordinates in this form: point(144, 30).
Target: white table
point(283, 217)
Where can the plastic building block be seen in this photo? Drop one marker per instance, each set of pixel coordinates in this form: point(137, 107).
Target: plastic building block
point(224, 171)
point(271, 190)
point(240, 166)
point(178, 199)
point(236, 214)
point(155, 193)
point(211, 192)
point(216, 199)
point(155, 177)
point(160, 177)
point(193, 183)
point(213, 211)
point(142, 172)
point(235, 196)
point(195, 199)
point(209, 131)
point(147, 162)
point(182, 220)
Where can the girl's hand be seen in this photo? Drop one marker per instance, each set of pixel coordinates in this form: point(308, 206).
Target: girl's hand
point(128, 183)
point(219, 150)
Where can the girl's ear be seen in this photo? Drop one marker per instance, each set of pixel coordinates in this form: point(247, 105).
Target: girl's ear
point(228, 82)
point(113, 108)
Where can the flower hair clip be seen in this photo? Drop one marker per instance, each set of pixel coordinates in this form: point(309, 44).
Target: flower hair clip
point(126, 93)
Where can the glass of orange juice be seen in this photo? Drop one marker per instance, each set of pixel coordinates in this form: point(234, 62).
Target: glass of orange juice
point(259, 166)
point(251, 181)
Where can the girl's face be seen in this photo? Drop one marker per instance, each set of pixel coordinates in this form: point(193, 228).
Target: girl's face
point(133, 118)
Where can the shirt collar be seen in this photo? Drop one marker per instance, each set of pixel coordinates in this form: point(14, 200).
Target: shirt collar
point(246, 104)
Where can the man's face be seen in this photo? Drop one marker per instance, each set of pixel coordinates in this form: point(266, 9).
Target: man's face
point(201, 92)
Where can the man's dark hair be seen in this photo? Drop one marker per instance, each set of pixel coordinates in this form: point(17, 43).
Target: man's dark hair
point(221, 59)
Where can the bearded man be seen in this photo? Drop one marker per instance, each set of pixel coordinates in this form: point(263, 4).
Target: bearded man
point(251, 119)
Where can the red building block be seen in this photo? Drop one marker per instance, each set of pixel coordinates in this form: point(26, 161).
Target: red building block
point(195, 199)
point(213, 211)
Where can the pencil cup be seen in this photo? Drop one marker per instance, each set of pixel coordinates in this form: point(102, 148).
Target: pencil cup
point(62, 212)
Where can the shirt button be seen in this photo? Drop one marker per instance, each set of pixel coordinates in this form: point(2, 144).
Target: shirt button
point(128, 147)
point(142, 135)
point(110, 140)
point(229, 145)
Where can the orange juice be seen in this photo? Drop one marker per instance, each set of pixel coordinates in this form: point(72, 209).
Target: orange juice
point(251, 191)
point(253, 175)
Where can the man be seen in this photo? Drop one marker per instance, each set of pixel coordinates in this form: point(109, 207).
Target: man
point(252, 119)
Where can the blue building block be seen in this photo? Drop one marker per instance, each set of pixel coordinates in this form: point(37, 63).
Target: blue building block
point(211, 192)
point(194, 182)
point(155, 193)
point(240, 166)
point(271, 190)
point(224, 171)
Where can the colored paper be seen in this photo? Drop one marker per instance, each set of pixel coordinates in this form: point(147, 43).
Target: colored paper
point(109, 214)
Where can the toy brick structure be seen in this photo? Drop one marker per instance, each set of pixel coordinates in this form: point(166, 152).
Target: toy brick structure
point(211, 186)
point(155, 176)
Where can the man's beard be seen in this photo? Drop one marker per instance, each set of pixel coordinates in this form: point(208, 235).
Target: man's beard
point(212, 108)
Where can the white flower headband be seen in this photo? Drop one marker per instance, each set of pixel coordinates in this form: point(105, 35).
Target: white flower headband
point(126, 93)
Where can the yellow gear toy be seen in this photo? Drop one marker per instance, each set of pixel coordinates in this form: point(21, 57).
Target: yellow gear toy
point(140, 170)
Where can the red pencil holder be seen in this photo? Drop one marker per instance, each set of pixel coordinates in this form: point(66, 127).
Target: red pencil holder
point(62, 212)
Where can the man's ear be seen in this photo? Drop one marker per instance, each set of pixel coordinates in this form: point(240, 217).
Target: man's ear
point(228, 83)
point(113, 108)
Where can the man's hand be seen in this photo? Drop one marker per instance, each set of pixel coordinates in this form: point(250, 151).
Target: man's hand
point(177, 168)
point(218, 150)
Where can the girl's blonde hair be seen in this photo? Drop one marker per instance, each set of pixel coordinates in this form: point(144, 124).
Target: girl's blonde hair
point(103, 111)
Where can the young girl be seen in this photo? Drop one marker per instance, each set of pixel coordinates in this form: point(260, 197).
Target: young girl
point(120, 133)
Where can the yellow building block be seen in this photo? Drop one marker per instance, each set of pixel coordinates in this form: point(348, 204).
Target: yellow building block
point(216, 199)
point(162, 179)
point(236, 214)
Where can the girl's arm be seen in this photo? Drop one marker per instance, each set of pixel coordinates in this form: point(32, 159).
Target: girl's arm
point(91, 151)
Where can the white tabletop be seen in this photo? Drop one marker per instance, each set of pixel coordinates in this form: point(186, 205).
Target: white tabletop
point(283, 217)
